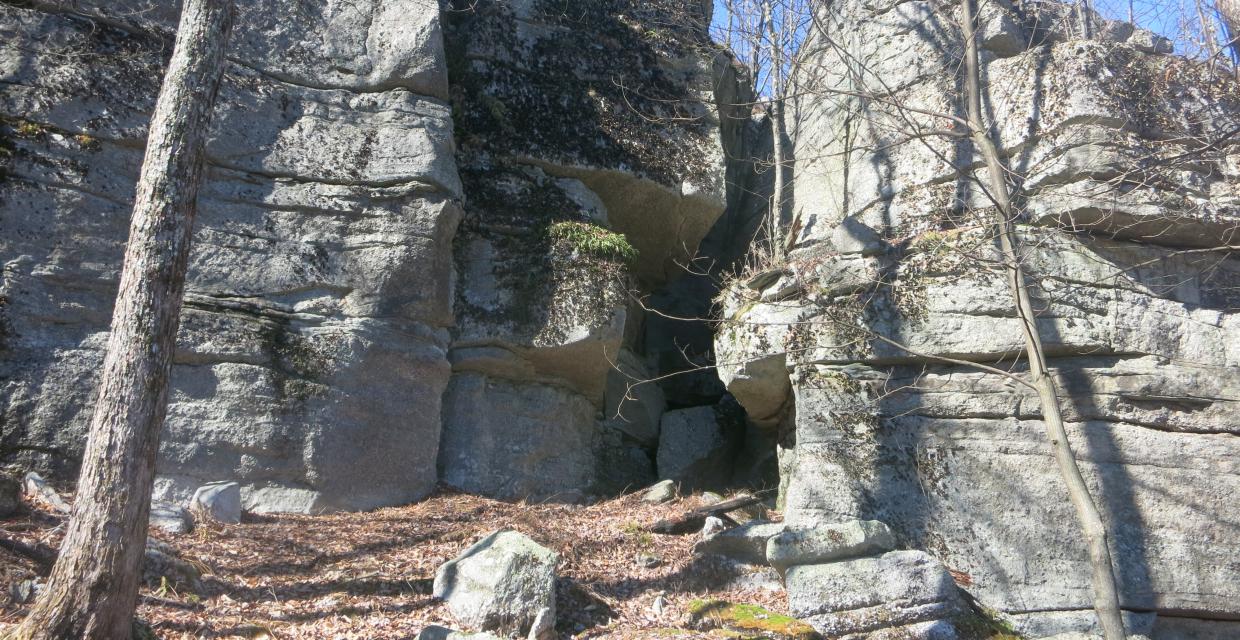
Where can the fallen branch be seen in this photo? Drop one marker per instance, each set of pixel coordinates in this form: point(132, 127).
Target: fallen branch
point(691, 521)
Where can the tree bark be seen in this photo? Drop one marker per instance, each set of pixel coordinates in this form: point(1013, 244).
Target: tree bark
point(93, 588)
point(775, 44)
point(1229, 15)
point(1106, 595)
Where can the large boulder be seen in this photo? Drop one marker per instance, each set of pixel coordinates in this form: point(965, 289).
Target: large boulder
point(634, 402)
point(746, 543)
point(501, 583)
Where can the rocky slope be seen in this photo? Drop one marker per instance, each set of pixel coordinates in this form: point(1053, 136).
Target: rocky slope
point(1125, 191)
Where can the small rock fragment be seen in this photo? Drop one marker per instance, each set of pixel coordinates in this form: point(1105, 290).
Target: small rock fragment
point(648, 560)
point(161, 565)
point(544, 625)
point(436, 632)
point(171, 518)
point(25, 591)
point(712, 528)
point(659, 605)
point(39, 490)
point(660, 492)
point(219, 501)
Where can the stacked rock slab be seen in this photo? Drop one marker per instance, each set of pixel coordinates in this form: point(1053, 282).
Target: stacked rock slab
point(312, 353)
point(586, 133)
point(1124, 192)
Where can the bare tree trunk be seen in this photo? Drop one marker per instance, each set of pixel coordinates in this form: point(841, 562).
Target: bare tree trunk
point(93, 588)
point(1106, 596)
point(775, 44)
point(1229, 15)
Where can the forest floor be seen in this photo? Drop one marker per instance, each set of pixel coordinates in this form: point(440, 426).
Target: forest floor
point(369, 575)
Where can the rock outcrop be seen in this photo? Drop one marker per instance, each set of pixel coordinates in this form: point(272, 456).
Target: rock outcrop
point(312, 353)
point(473, 242)
point(1127, 182)
point(590, 146)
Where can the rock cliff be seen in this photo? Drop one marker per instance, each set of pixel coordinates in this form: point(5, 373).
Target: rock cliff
point(455, 242)
point(1112, 145)
point(312, 354)
point(333, 307)
point(592, 142)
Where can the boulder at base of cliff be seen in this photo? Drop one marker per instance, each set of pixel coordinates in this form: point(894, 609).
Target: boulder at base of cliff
point(499, 584)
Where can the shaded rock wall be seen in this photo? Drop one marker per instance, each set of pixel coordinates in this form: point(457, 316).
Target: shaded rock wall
point(312, 353)
point(582, 127)
point(1112, 144)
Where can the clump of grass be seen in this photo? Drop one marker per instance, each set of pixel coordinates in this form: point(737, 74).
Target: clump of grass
point(593, 241)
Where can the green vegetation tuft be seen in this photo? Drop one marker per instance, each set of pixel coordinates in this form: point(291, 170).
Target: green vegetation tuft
point(749, 619)
point(593, 241)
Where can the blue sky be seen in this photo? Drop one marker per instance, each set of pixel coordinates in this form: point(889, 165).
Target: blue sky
point(1161, 16)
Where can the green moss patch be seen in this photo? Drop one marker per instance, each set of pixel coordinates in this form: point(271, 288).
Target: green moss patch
point(748, 620)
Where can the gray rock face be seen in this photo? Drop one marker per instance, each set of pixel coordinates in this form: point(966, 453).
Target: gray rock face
point(906, 590)
point(218, 501)
point(697, 446)
point(827, 543)
point(550, 157)
point(10, 495)
point(514, 440)
point(501, 583)
point(311, 356)
point(1141, 341)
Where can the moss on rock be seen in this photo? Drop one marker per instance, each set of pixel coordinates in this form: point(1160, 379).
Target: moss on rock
point(748, 620)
